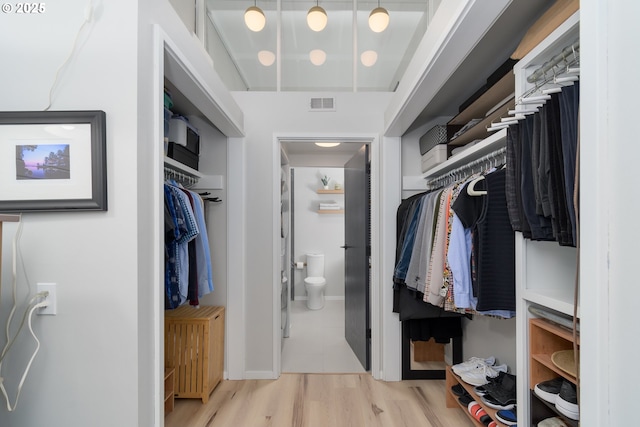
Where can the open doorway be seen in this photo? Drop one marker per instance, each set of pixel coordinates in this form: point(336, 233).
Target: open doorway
point(313, 222)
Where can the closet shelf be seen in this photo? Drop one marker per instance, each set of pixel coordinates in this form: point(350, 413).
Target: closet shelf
point(452, 401)
point(480, 131)
point(487, 146)
point(557, 299)
point(173, 164)
point(479, 108)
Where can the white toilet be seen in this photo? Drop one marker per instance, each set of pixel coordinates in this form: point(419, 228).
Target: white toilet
point(315, 281)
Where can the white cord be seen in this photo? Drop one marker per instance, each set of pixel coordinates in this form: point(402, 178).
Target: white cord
point(14, 245)
point(26, 371)
point(32, 305)
point(9, 343)
point(88, 16)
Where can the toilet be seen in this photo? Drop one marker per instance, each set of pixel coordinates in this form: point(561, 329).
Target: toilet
point(315, 282)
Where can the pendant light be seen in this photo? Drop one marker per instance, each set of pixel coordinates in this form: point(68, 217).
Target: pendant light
point(254, 18)
point(378, 19)
point(317, 18)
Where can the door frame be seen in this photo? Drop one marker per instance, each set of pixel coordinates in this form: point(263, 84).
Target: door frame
point(378, 301)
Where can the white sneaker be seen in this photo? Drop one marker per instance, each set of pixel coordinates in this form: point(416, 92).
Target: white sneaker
point(478, 376)
point(472, 363)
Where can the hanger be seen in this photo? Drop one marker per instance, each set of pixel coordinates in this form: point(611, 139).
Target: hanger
point(472, 191)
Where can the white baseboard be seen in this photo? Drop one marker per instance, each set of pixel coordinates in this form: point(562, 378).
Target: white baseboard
point(260, 375)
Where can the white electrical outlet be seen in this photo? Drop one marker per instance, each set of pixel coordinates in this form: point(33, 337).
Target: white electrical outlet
point(52, 308)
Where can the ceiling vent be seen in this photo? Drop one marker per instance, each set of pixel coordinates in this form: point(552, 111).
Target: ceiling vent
point(322, 104)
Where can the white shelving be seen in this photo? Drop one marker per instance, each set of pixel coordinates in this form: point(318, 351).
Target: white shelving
point(487, 146)
point(545, 271)
point(173, 164)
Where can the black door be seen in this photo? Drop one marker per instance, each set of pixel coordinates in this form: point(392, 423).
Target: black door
point(357, 252)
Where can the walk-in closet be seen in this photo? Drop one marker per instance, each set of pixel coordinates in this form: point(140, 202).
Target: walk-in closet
point(501, 138)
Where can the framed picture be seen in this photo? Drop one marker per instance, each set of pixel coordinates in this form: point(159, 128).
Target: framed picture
point(53, 161)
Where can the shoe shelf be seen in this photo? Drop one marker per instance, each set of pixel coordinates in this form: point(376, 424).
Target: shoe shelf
point(545, 338)
point(541, 410)
point(453, 402)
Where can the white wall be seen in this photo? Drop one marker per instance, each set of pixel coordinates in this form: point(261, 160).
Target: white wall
point(609, 207)
point(87, 370)
point(318, 233)
point(266, 116)
point(101, 357)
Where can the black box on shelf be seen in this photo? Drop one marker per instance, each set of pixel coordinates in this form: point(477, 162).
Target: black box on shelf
point(180, 154)
point(434, 136)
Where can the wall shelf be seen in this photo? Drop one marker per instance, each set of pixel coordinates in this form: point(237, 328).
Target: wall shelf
point(330, 191)
point(330, 211)
point(489, 145)
point(173, 164)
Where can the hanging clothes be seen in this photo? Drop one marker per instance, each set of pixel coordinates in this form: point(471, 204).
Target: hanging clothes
point(188, 262)
point(541, 172)
point(437, 260)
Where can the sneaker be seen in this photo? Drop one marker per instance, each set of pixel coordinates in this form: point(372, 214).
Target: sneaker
point(567, 401)
point(480, 390)
point(481, 374)
point(478, 412)
point(502, 389)
point(549, 390)
point(492, 403)
point(507, 416)
point(472, 363)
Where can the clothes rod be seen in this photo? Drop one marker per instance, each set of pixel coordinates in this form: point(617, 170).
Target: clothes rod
point(562, 56)
point(436, 181)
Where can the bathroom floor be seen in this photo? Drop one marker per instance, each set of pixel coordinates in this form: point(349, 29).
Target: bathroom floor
point(316, 342)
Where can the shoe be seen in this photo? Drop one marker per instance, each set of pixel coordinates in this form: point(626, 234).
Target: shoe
point(552, 422)
point(472, 363)
point(549, 390)
point(482, 374)
point(507, 416)
point(477, 412)
point(567, 401)
point(465, 399)
point(492, 403)
point(458, 390)
point(480, 390)
point(502, 389)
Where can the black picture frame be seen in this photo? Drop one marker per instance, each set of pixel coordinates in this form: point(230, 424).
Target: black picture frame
point(72, 177)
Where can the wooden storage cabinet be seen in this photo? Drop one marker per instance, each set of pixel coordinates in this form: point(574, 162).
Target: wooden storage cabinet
point(169, 389)
point(453, 402)
point(194, 346)
point(545, 338)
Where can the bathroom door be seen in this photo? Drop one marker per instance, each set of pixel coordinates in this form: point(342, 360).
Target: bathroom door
point(357, 252)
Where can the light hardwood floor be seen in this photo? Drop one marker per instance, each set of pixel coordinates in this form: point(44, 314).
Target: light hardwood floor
point(322, 400)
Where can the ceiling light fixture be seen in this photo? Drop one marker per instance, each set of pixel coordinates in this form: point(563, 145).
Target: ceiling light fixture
point(317, 18)
point(317, 56)
point(254, 18)
point(327, 144)
point(368, 58)
point(378, 19)
point(266, 57)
